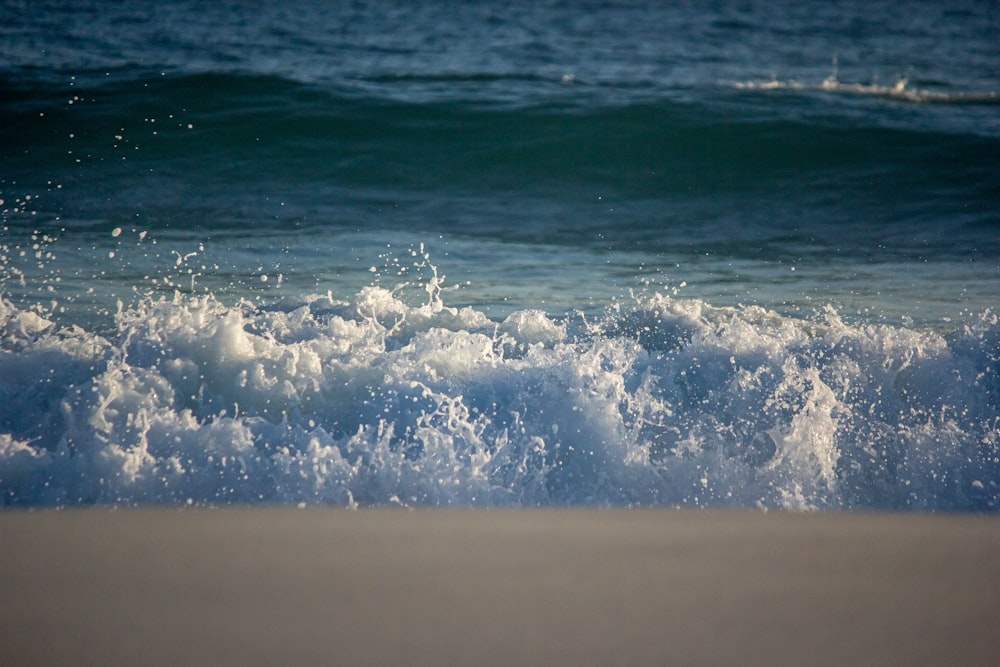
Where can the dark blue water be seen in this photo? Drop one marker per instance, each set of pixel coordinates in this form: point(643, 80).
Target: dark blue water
point(500, 253)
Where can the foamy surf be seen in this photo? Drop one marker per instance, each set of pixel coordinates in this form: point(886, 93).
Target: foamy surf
point(395, 397)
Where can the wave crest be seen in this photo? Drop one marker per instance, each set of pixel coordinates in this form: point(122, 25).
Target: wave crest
point(663, 401)
point(901, 91)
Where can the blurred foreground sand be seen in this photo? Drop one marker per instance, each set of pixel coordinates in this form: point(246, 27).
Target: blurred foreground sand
point(268, 586)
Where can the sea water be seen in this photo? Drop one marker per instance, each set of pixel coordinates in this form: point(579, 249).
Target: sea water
point(500, 254)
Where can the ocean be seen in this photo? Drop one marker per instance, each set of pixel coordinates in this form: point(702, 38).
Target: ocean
point(730, 254)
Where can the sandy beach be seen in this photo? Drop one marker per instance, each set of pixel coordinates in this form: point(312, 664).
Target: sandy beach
point(595, 587)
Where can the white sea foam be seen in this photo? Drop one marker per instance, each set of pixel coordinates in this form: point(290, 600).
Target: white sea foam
point(388, 398)
point(901, 91)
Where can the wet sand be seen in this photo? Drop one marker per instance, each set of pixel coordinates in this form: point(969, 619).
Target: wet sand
point(523, 587)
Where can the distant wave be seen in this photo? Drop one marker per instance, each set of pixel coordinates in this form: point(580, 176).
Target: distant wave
point(228, 127)
point(901, 91)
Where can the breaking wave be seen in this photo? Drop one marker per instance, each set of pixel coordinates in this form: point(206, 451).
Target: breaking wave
point(395, 397)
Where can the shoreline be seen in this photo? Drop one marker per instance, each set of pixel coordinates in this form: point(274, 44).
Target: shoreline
point(272, 585)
